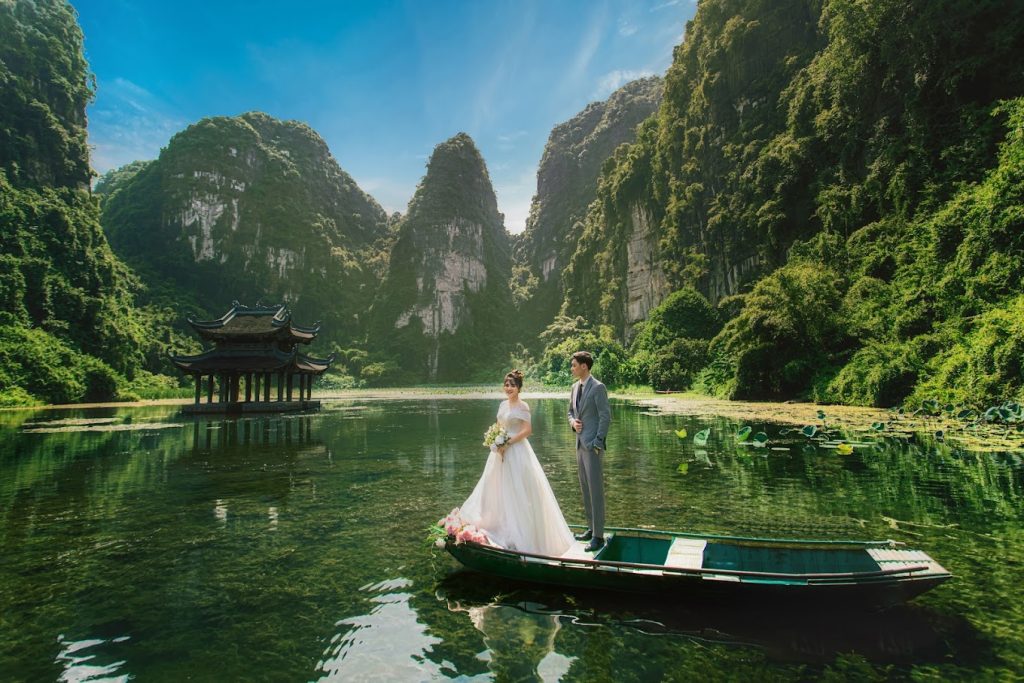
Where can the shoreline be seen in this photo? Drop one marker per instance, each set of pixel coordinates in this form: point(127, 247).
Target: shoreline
point(676, 404)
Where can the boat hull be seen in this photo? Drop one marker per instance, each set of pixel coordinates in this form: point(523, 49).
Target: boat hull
point(869, 588)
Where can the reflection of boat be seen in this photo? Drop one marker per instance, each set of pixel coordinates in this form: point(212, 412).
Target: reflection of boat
point(691, 566)
point(903, 633)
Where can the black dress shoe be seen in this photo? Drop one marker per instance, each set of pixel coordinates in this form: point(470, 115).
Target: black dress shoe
point(595, 545)
point(585, 536)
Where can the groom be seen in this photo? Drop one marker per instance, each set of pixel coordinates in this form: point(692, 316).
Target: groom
point(589, 416)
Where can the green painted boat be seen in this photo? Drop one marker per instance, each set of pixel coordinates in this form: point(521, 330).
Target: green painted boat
point(869, 574)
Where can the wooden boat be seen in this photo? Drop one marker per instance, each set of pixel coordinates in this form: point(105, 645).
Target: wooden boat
point(870, 574)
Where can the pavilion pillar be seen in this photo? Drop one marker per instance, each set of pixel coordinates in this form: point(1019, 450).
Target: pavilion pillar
point(266, 387)
point(199, 387)
point(280, 386)
point(236, 387)
point(257, 393)
point(222, 388)
point(309, 387)
point(209, 388)
point(248, 387)
point(291, 379)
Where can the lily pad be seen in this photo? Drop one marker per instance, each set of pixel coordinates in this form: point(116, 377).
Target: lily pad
point(681, 433)
point(809, 431)
point(760, 439)
point(683, 468)
point(844, 449)
point(701, 437)
point(743, 433)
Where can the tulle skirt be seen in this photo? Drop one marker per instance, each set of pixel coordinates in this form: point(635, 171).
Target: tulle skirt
point(513, 502)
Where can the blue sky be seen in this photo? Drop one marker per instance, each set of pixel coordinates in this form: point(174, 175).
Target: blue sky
point(381, 82)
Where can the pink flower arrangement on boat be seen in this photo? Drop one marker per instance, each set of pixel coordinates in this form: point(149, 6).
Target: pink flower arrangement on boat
point(455, 527)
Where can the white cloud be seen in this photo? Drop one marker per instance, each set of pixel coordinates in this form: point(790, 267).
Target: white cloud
point(514, 198)
point(392, 195)
point(587, 49)
point(128, 123)
point(626, 29)
point(510, 137)
point(509, 141)
point(613, 80)
point(664, 5)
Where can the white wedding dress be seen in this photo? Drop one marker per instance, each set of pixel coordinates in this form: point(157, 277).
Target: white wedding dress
point(513, 501)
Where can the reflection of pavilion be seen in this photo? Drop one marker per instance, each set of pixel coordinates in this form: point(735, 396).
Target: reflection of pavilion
point(255, 431)
point(259, 345)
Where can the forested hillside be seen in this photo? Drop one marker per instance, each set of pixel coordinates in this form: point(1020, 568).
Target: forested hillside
point(566, 185)
point(839, 180)
point(68, 327)
point(250, 208)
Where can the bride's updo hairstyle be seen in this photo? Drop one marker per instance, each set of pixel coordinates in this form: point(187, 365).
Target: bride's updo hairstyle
point(517, 378)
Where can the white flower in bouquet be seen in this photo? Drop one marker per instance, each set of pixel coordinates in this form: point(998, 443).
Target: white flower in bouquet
point(495, 436)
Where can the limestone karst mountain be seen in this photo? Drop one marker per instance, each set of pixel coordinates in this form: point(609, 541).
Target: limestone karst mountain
point(250, 208)
point(445, 309)
point(807, 172)
point(566, 185)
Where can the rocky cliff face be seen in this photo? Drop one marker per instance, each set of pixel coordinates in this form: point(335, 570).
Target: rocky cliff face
point(252, 208)
point(687, 204)
point(567, 184)
point(444, 310)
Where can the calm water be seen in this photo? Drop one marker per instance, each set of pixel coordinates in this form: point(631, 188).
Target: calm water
point(138, 544)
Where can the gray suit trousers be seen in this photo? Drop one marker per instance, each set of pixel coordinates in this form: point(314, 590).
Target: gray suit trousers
point(592, 485)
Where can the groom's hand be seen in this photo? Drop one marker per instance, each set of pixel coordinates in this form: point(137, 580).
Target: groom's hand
point(578, 425)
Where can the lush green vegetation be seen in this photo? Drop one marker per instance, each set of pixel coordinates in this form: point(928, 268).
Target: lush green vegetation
point(831, 190)
point(69, 330)
point(843, 181)
point(249, 208)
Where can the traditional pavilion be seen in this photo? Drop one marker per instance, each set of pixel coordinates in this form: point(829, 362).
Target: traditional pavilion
point(260, 346)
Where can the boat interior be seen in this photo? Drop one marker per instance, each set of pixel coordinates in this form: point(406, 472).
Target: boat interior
point(698, 553)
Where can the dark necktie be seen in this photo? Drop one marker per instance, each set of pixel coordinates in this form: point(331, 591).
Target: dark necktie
point(579, 392)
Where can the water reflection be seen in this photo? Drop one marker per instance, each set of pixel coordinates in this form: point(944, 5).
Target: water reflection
point(291, 547)
point(525, 618)
point(79, 660)
point(520, 640)
point(386, 644)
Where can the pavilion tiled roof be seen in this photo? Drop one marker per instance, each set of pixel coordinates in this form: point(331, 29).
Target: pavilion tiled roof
point(242, 323)
point(251, 360)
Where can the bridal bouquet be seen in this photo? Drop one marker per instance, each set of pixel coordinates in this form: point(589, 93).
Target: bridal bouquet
point(495, 436)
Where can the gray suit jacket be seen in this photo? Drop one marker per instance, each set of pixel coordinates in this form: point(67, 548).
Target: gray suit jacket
point(594, 411)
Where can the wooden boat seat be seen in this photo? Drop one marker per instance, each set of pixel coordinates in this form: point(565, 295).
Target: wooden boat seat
point(891, 558)
point(686, 553)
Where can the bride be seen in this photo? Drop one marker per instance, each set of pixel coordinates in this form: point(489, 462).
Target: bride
point(513, 501)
